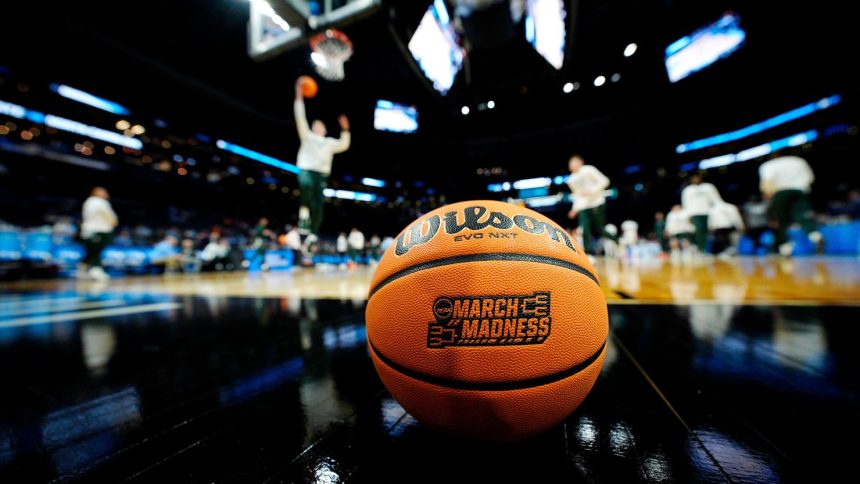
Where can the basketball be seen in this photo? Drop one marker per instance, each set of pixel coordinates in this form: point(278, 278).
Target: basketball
point(487, 320)
point(309, 86)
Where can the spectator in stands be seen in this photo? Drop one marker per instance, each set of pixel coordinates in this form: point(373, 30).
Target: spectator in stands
point(786, 181)
point(756, 221)
point(165, 254)
point(142, 235)
point(123, 239)
point(697, 198)
point(99, 221)
point(188, 258)
point(173, 231)
point(724, 221)
point(234, 254)
point(64, 230)
point(201, 240)
point(262, 237)
point(215, 254)
point(356, 245)
point(679, 230)
point(854, 204)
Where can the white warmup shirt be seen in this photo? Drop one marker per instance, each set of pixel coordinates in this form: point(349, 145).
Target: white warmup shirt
point(698, 199)
point(724, 216)
point(98, 217)
point(356, 240)
point(294, 240)
point(214, 250)
point(341, 244)
point(316, 152)
point(678, 223)
point(785, 173)
point(629, 232)
point(591, 181)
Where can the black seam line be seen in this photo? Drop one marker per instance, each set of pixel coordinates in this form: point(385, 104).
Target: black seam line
point(489, 386)
point(481, 258)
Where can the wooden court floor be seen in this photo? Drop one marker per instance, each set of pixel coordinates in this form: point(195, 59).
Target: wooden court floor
point(750, 281)
point(719, 371)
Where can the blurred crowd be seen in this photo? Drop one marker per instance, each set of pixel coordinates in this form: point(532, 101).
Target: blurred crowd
point(174, 249)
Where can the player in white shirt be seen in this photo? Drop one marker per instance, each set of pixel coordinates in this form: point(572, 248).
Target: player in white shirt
point(341, 245)
point(356, 244)
point(587, 184)
point(629, 233)
point(679, 230)
point(314, 159)
point(724, 220)
point(697, 198)
point(99, 222)
point(375, 242)
point(786, 181)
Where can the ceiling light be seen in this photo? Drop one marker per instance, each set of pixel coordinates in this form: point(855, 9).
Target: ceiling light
point(630, 49)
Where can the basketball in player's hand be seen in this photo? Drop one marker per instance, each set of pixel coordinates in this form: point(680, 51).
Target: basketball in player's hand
point(309, 86)
point(487, 320)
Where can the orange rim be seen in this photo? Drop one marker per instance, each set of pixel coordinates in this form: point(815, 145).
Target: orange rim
point(330, 34)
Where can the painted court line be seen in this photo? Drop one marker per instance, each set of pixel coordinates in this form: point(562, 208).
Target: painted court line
point(16, 301)
point(97, 313)
point(58, 308)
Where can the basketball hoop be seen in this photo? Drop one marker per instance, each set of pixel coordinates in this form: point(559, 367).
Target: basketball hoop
point(330, 50)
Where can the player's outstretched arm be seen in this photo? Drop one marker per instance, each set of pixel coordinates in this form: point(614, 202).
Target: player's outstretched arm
point(299, 111)
point(342, 143)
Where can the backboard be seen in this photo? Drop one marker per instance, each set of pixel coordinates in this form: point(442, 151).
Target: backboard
point(276, 26)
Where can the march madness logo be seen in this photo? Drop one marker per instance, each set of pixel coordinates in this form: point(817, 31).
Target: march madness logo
point(490, 320)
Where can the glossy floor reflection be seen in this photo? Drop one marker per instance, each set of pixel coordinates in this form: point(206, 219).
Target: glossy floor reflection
point(119, 387)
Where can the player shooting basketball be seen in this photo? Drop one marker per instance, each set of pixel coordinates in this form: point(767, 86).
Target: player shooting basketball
point(314, 159)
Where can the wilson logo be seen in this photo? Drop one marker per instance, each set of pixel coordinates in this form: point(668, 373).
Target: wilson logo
point(475, 218)
point(490, 320)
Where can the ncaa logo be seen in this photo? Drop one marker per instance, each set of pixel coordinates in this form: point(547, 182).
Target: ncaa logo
point(443, 309)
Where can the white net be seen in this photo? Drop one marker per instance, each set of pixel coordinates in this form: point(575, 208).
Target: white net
point(330, 50)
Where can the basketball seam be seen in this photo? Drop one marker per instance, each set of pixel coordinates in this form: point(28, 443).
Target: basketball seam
point(488, 386)
point(493, 256)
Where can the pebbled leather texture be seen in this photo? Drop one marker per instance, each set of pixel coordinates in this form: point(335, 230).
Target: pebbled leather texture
point(440, 315)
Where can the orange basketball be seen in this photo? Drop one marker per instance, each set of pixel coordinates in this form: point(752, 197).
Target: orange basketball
point(309, 86)
point(486, 319)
